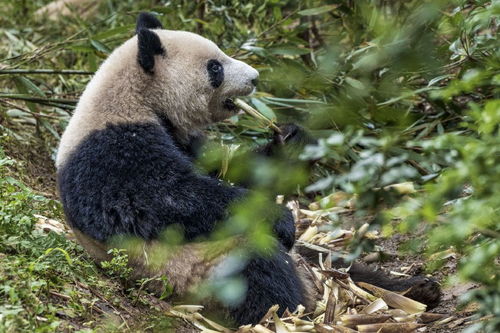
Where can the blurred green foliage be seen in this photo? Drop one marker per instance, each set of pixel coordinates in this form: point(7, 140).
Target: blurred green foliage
point(394, 91)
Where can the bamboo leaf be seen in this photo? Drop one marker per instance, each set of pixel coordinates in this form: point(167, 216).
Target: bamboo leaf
point(29, 86)
point(317, 10)
point(100, 46)
point(288, 50)
point(264, 109)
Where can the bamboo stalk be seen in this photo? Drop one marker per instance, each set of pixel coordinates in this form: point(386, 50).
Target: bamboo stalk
point(45, 71)
point(354, 320)
point(389, 328)
point(37, 99)
point(256, 114)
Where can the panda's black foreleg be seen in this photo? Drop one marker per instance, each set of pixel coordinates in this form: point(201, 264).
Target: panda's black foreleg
point(287, 144)
point(270, 280)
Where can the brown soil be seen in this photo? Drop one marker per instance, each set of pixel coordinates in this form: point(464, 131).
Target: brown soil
point(35, 168)
point(415, 264)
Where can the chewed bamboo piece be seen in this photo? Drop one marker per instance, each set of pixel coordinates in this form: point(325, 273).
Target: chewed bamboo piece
point(256, 114)
point(395, 300)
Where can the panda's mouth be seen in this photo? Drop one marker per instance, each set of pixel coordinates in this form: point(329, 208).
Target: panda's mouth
point(229, 104)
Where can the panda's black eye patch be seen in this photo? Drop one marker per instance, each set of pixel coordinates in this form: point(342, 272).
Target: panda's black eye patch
point(215, 72)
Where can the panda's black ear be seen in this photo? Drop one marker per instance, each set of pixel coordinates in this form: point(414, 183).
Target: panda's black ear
point(147, 21)
point(149, 45)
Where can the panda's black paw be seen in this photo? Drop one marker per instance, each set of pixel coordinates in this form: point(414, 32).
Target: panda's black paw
point(290, 131)
point(292, 134)
point(424, 290)
point(288, 142)
point(420, 288)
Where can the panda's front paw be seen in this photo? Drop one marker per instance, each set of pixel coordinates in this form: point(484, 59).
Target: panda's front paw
point(291, 133)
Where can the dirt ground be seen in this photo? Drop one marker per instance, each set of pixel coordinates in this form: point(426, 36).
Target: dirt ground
point(415, 265)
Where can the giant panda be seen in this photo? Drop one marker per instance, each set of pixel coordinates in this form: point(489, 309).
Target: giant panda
point(125, 168)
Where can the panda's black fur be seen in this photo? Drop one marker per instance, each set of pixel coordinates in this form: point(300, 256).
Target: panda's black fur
point(137, 178)
point(145, 184)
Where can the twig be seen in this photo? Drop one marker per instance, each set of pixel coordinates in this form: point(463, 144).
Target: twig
point(45, 71)
point(66, 297)
point(35, 114)
point(99, 295)
point(37, 99)
point(201, 16)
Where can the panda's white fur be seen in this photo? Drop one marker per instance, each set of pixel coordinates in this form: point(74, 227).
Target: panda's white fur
point(121, 91)
point(138, 97)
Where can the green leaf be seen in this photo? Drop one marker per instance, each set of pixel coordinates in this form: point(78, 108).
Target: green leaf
point(289, 50)
point(50, 128)
point(439, 79)
point(260, 51)
point(30, 86)
point(264, 109)
point(113, 32)
point(277, 13)
point(24, 90)
point(355, 83)
point(63, 251)
point(317, 10)
point(100, 46)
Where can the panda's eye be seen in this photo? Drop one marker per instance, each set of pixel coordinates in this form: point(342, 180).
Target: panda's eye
point(215, 67)
point(215, 72)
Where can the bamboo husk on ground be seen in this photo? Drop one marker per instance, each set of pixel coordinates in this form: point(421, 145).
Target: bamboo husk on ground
point(344, 306)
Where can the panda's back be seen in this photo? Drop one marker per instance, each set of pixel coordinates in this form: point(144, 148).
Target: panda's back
point(133, 179)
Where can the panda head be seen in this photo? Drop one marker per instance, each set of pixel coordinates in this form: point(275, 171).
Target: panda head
point(188, 77)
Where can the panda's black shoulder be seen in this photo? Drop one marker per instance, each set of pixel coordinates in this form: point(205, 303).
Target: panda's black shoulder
point(128, 144)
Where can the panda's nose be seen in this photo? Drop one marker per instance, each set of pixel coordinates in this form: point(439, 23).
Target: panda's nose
point(249, 74)
point(254, 77)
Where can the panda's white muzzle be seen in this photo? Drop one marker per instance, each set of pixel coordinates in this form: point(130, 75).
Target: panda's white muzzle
point(240, 79)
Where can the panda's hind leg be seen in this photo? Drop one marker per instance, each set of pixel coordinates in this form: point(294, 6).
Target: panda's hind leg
point(420, 288)
point(270, 280)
